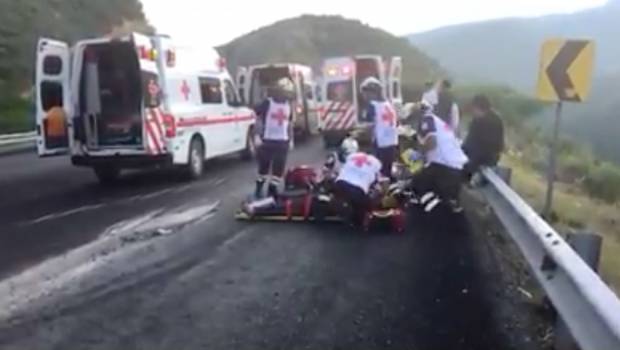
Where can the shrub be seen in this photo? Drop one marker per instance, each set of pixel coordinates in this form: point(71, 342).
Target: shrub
point(15, 115)
point(603, 182)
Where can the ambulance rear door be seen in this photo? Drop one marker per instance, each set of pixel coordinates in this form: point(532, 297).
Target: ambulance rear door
point(394, 80)
point(242, 84)
point(52, 97)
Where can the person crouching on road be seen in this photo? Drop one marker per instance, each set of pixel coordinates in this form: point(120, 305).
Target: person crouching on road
point(441, 177)
point(359, 172)
point(385, 123)
point(274, 127)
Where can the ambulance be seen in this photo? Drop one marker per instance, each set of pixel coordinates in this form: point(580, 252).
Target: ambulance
point(254, 82)
point(343, 107)
point(138, 101)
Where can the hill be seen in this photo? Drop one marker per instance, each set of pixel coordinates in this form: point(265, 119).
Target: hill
point(309, 39)
point(506, 51)
point(23, 22)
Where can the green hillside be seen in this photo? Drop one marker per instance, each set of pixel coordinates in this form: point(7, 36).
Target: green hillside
point(309, 39)
point(22, 22)
point(506, 52)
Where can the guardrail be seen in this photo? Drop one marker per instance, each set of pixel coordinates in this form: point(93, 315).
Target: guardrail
point(588, 307)
point(20, 140)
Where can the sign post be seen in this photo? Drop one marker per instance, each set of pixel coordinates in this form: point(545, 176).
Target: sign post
point(565, 75)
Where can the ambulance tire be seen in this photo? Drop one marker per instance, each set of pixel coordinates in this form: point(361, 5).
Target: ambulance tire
point(196, 157)
point(249, 152)
point(107, 174)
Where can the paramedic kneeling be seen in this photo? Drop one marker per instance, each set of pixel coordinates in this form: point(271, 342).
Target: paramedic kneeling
point(385, 123)
point(356, 177)
point(274, 129)
point(441, 177)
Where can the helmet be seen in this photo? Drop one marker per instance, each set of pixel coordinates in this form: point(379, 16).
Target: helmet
point(285, 85)
point(348, 147)
point(371, 84)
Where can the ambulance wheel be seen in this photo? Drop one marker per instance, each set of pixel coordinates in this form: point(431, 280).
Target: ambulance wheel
point(107, 174)
point(196, 157)
point(249, 152)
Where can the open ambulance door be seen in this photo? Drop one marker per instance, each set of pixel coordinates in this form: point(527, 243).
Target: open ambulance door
point(394, 80)
point(242, 84)
point(52, 97)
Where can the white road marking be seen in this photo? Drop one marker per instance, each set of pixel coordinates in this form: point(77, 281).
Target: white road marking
point(63, 214)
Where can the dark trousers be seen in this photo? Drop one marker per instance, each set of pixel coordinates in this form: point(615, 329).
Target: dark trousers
point(442, 180)
point(386, 155)
point(272, 157)
point(358, 201)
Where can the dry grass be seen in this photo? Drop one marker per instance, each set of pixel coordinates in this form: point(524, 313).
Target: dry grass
point(575, 210)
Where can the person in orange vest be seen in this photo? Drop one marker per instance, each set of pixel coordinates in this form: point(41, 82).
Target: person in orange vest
point(56, 122)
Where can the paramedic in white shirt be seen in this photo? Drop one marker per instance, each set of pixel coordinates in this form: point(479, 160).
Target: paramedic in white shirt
point(274, 127)
point(441, 177)
point(356, 177)
point(384, 118)
point(446, 107)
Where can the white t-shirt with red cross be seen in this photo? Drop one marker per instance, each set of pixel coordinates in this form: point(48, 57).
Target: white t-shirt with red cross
point(277, 121)
point(360, 170)
point(386, 124)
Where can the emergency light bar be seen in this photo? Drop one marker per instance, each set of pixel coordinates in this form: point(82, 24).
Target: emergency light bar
point(147, 54)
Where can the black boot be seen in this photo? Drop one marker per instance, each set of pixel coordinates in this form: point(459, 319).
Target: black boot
point(272, 191)
point(258, 193)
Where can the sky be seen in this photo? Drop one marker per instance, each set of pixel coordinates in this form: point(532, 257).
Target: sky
point(219, 21)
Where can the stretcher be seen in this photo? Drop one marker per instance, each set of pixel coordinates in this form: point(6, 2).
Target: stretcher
point(311, 207)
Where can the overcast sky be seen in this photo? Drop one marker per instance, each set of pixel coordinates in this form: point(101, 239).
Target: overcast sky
point(219, 21)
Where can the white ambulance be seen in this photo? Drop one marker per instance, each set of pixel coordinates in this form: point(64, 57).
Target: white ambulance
point(342, 108)
point(138, 101)
point(254, 81)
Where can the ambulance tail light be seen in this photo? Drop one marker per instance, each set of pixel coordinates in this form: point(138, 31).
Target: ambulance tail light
point(299, 109)
point(346, 70)
point(170, 126)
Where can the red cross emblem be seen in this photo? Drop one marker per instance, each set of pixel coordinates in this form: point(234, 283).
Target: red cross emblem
point(389, 117)
point(185, 90)
point(360, 160)
point(279, 116)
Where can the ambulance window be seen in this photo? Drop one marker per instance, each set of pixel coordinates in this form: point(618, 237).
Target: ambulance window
point(308, 92)
point(396, 89)
point(52, 65)
point(152, 91)
point(210, 90)
point(341, 91)
point(231, 96)
point(51, 95)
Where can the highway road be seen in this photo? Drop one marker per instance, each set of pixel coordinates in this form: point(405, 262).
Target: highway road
point(158, 263)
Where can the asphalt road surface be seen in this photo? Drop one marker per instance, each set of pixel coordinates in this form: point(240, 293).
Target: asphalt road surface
point(158, 263)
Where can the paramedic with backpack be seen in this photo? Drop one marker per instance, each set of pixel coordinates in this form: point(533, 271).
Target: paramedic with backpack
point(274, 127)
point(385, 123)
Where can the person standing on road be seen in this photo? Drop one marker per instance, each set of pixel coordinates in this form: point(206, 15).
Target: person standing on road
point(441, 177)
point(485, 139)
point(446, 107)
point(385, 123)
point(274, 128)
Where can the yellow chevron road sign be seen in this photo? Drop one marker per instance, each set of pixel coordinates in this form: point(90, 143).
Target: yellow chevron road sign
point(565, 70)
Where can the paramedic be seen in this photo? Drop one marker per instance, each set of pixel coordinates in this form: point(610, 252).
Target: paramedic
point(446, 108)
point(358, 174)
point(441, 177)
point(274, 127)
point(385, 123)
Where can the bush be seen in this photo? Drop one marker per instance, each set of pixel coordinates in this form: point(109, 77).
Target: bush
point(603, 182)
point(574, 168)
point(15, 115)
